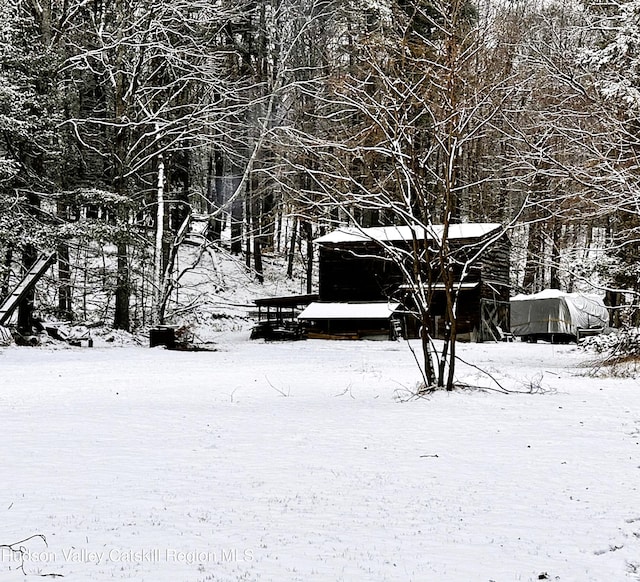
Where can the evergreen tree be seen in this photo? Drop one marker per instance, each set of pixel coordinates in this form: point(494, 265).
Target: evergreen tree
point(29, 147)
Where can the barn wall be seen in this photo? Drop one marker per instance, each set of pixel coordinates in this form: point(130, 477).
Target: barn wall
point(346, 277)
point(495, 268)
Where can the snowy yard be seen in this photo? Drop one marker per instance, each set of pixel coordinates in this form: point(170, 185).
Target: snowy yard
point(300, 462)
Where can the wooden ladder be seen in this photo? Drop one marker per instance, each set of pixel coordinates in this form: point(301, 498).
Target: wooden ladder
point(28, 281)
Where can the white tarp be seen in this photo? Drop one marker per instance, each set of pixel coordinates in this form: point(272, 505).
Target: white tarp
point(554, 312)
point(374, 310)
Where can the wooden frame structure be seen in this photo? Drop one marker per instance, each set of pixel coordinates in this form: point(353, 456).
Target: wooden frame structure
point(278, 317)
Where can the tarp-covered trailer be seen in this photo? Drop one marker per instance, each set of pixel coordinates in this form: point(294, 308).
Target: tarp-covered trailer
point(556, 316)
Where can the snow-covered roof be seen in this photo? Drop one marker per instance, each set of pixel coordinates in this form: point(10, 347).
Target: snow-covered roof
point(398, 233)
point(374, 310)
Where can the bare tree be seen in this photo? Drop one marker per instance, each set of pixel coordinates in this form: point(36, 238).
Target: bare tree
point(167, 95)
point(575, 149)
point(407, 105)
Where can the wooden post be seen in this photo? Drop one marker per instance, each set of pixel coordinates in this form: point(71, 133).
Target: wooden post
point(158, 263)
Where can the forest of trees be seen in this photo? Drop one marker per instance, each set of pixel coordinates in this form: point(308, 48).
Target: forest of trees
point(278, 120)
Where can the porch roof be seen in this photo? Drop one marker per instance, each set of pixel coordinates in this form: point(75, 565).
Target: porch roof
point(373, 310)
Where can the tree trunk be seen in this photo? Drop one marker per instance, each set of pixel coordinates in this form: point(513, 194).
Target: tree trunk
point(121, 319)
point(8, 259)
point(427, 352)
point(249, 231)
point(159, 257)
point(308, 235)
point(292, 248)
point(554, 271)
point(535, 254)
point(236, 221)
point(64, 283)
point(25, 308)
point(257, 258)
point(215, 194)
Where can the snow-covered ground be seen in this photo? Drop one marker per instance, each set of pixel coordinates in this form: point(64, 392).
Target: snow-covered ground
point(305, 462)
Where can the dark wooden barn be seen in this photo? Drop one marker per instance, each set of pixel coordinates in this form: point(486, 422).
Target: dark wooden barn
point(354, 266)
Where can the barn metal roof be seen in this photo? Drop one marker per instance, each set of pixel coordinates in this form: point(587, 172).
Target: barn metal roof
point(471, 230)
